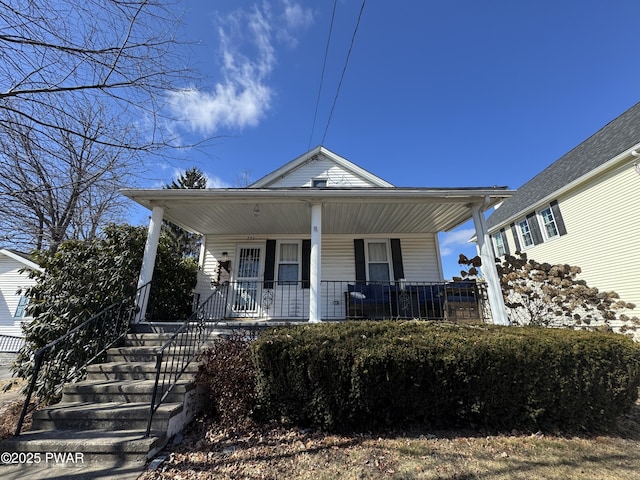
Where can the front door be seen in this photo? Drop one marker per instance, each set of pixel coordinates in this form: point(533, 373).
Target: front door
point(248, 286)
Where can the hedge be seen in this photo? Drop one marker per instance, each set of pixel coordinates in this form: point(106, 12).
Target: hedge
point(370, 375)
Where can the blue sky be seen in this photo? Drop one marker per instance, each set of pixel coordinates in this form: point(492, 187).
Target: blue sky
point(436, 93)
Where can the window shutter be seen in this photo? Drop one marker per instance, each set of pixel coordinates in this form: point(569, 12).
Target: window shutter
point(396, 258)
point(532, 220)
point(361, 268)
point(516, 239)
point(306, 263)
point(555, 208)
point(505, 241)
point(269, 263)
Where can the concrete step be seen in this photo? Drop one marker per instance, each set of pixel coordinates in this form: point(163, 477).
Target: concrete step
point(134, 391)
point(103, 416)
point(133, 370)
point(146, 353)
point(105, 447)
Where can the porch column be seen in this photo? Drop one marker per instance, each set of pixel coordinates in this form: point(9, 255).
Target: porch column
point(315, 280)
point(148, 261)
point(496, 300)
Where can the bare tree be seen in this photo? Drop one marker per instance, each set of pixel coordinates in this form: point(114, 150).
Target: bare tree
point(120, 51)
point(56, 185)
point(83, 89)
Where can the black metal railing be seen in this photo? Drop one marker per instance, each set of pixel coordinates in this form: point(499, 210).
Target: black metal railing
point(60, 361)
point(184, 345)
point(339, 300)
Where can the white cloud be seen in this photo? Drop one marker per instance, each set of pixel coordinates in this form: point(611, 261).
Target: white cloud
point(243, 96)
point(453, 243)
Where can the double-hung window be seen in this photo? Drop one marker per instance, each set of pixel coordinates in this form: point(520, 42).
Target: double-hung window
point(524, 230)
point(550, 227)
point(378, 261)
point(500, 244)
point(289, 263)
point(21, 308)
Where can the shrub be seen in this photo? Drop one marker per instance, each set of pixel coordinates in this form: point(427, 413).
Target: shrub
point(227, 375)
point(364, 375)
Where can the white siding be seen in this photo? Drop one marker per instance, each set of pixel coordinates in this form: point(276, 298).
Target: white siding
point(420, 262)
point(603, 234)
point(320, 168)
point(10, 281)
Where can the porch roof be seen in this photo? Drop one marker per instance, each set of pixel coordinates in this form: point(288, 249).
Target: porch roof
point(256, 211)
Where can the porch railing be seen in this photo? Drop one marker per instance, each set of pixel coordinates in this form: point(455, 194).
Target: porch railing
point(173, 358)
point(339, 300)
point(55, 364)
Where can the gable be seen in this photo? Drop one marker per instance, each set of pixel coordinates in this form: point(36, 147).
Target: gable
point(320, 164)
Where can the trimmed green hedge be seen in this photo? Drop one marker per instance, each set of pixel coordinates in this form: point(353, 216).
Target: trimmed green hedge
point(366, 375)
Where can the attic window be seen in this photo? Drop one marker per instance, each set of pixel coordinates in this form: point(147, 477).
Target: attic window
point(319, 182)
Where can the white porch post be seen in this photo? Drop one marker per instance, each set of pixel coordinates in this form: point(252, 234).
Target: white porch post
point(315, 280)
point(149, 260)
point(496, 301)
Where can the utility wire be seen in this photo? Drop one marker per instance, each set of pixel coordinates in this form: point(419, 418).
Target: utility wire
point(335, 99)
point(324, 65)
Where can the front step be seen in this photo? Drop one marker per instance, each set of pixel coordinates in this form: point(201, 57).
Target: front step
point(133, 371)
point(105, 417)
point(133, 391)
point(104, 447)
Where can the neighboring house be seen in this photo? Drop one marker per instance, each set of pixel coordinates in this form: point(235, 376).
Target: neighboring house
point(321, 238)
point(583, 210)
point(13, 280)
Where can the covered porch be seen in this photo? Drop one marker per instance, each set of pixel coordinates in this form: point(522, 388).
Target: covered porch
point(238, 225)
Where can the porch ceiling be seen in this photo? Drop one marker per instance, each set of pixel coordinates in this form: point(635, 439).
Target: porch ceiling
point(345, 211)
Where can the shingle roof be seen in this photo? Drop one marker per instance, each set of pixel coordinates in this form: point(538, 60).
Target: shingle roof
point(612, 139)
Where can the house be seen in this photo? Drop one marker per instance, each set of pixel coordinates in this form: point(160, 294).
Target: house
point(14, 278)
point(583, 210)
point(321, 238)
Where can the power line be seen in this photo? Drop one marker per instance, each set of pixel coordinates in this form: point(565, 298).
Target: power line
point(324, 65)
point(335, 99)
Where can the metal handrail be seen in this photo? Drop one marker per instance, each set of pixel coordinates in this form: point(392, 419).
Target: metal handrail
point(112, 324)
point(183, 347)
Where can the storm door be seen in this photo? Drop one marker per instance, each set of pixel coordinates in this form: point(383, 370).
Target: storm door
point(248, 286)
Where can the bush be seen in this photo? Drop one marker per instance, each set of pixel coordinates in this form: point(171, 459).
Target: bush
point(363, 375)
point(227, 375)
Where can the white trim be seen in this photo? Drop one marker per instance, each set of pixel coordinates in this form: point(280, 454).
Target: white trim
point(543, 227)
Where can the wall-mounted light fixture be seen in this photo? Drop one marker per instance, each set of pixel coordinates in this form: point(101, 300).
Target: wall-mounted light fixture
point(256, 210)
point(224, 256)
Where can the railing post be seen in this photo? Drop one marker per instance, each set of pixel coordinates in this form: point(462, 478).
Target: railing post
point(34, 377)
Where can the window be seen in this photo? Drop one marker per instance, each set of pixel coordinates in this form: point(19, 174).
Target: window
point(319, 182)
point(525, 232)
point(549, 223)
point(499, 242)
point(288, 263)
point(378, 262)
point(20, 309)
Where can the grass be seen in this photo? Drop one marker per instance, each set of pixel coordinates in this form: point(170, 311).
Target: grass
point(266, 453)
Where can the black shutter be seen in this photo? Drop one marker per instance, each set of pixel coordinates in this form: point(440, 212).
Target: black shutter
point(361, 267)
point(516, 239)
point(532, 220)
point(396, 258)
point(269, 263)
point(306, 263)
point(505, 242)
point(555, 208)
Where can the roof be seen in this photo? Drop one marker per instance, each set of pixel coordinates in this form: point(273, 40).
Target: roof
point(23, 258)
point(618, 136)
point(287, 168)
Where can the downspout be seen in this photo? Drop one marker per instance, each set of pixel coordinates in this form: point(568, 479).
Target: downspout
point(494, 290)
